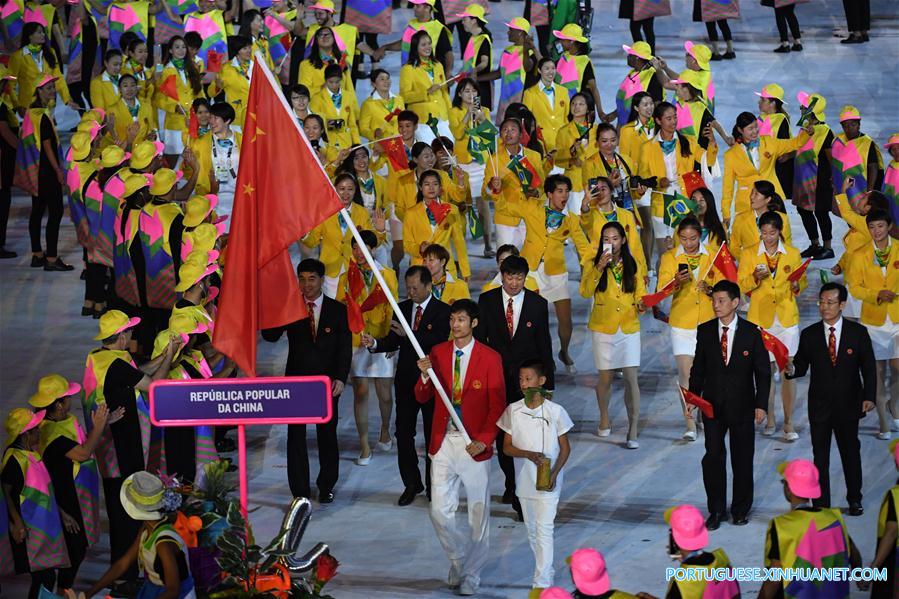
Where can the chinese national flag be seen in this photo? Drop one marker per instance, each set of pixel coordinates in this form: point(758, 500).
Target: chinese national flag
point(724, 262)
point(214, 61)
point(777, 348)
point(694, 400)
point(193, 128)
point(692, 181)
point(374, 299)
point(170, 88)
point(797, 274)
point(396, 153)
point(656, 298)
point(282, 194)
point(354, 287)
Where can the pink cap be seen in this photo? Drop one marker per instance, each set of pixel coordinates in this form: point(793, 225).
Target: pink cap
point(893, 141)
point(688, 527)
point(588, 570)
point(47, 79)
point(36, 419)
point(555, 593)
point(801, 477)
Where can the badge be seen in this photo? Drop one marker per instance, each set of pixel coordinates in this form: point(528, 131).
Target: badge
point(430, 327)
point(476, 384)
point(787, 268)
point(528, 324)
point(745, 354)
point(565, 233)
point(849, 351)
point(896, 264)
point(445, 226)
point(327, 329)
point(767, 154)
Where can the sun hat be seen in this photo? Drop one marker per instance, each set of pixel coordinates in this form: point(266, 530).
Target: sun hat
point(519, 23)
point(81, 145)
point(640, 49)
point(805, 100)
point(801, 477)
point(198, 208)
point(164, 180)
point(114, 322)
point(849, 113)
point(687, 526)
point(572, 33)
point(892, 141)
point(195, 270)
point(700, 52)
point(430, 3)
point(689, 77)
point(134, 182)
point(142, 496)
point(588, 570)
point(113, 156)
point(475, 11)
point(21, 420)
point(772, 91)
point(52, 387)
point(143, 153)
point(325, 5)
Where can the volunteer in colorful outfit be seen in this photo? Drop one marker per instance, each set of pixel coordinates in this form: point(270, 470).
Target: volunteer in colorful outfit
point(339, 111)
point(600, 209)
point(850, 146)
point(887, 552)
point(105, 86)
point(379, 115)
point(744, 233)
point(799, 529)
point(693, 114)
point(234, 80)
point(67, 453)
point(548, 101)
point(423, 87)
point(333, 235)
point(445, 287)
point(34, 62)
point(753, 158)
point(573, 147)
point(687, 540)
point(764, 275)
point(812, 179)
point(614, 279)
point(370, 369)
point(434, 220)
point(689, 265)
point(775, 122)
point(500, 180)
point(574, 69)
point(874, 278)
point(157, 547)
point(179, 85)
point(35, 528)
point(324, 51)
point(81, 180)
point(134, 118)
point(715, 13)
point(668, 157)
point(9, 139)
point(697, 59)
point(891, 180)
point(516, 61)
point(641, 78)
point(39, 172)
point(477, 57)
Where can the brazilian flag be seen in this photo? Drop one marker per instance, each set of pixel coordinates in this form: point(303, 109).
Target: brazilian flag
point(677, 208)
point(482, 141)
point(475, 226)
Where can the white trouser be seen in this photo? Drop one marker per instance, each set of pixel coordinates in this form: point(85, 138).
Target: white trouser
point(539, 514)
point(514, 235)
point(451, 467)
point(329, 287)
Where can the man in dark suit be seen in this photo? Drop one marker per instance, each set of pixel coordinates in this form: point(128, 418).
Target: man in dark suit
point(731, 371)
point(842, 389)
point(320, 344)
point(429, 318)
point(515, 323)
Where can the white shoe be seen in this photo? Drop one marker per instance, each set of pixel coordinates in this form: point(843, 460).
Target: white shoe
point(791, 436)
point(360, 461)
point(689, 435)
point(385, 446)
point(896, 424)
point(632, 444)
point(468, 587)
point(885, 436)
point(603, 432)
point(769, 431)
point(454, 578)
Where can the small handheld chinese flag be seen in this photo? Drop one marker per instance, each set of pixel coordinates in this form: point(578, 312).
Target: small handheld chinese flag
point(692, 181)
point(170, 88)
point(777, 348)
point(374, 299)
point(193, 128)
point(656, 298)
point(214, 61)
point(694, 400)
point(395, 152)
point(724, 262)
point(797, 274)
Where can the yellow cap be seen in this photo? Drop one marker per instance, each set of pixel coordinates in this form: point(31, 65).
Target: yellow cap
point(164, 180)
point(114, 322)
point(198, 208)
point(640, 49)
point(805, 100)
point(701, 53)
point(81, 145)
point(772, 91)
point(519, 23)
point(430, 3)
point(475, 11)
point(143, 153)
point(689, 77)
point(52, 387)
point(325, 5)
point(572, 33)
point(892, 141)
point(113, 156)
point(185, 323)
point(198, 266)
point(162, 341)
point(21, 420)
point(849, 113)
point(134, 182)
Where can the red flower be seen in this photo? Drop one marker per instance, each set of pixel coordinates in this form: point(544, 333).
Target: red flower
point(325, 569)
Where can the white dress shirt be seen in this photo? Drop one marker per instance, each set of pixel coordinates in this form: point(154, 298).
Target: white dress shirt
point(464, 359)
point(837, 330)
point(424, 306)
point(550, 95)
point(731, 332)
point(316, 309)
point(517, 303)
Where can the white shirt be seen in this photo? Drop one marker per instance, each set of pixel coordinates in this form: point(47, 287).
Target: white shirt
point(424, 306)
point(837, 330)
point(316, 307)
point(517, 303)
point(780, 250)
point(550, 95)
point(731, 331)
point(702, 250)
point(464, 359)
point(670, 165)
point(536, 429)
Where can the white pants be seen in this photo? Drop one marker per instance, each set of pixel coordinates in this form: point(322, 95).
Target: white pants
point(539, 514)
point(451, 467)
point(514, 235)
point(329, 287)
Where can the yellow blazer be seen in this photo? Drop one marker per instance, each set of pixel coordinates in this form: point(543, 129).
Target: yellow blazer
point(336, 248)
point(402, 189)
point(549, 118)
point(613, 309)
point(631, 141)
point(456, 188)
point(652, 164)
point(417, 229)
point(27, 74)
point(460, 125)
point(104, 93)
point(566, 137)
point(511, 191)
point(202, 149)
point(414, 86)
point(594, 167)
point(689, 306)
point(740, 172)
point(146, 117)
point(144, 78)
point(314, 80)
point(773, 295)
point(744, 233)
point(868, 279)
point(595, 220)
point(322, 105)
point(857, 237)
point(453, 289)
point(377, 320)
point(175, 120)
point(541, 245)
point(236, 88)
point(373, 116)
point(381, 199)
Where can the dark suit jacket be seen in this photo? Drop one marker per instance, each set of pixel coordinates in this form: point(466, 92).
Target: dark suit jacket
point(837, 391)
point(531, 338)
point(483, 395)
point(741, 386)
point(433, 329)
point(332, 351)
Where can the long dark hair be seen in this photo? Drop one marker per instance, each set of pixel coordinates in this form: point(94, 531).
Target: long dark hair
point(417, 148)
point(428, 173)
point(28, 29)
point(710, 220)
point(767, 189)
point(357, 195)
point(414, 59)
point(660, 109)
point(591, 109)
point(457, 97)
point(246, 23)
point(629, 278)
point(348, 165)
point(315, 55)
point(635, 101)
point(190, 69)
point(744, 119)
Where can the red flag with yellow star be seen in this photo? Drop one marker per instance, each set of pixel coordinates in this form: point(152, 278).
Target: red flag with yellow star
point(282, 194)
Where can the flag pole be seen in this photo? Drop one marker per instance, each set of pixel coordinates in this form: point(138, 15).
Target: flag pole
point(402, 319)
point(712, 261)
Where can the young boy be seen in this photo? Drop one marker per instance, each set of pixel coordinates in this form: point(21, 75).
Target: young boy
point(445, 287)
point(537, 429)
point(339, 110)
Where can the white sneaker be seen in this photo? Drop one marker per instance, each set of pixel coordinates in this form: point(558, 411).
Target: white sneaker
point(791, 436)
point(468, 587)
point(385, 446)
point(360, 461)
point(769, 431)
point(885, 436)
point(603, 432)
point(689, 435)
point(632, 444)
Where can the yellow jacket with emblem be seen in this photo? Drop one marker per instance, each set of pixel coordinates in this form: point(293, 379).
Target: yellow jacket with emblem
point(347, 134)
point(689, 306)
point(772, 296)
point(613, 309)
point(414, 85)
point(744, 233)
point(511, 190)
point(459, 125)
point(373, 116)
point(417, 229)
point(453, 289)
point(202, 150)
point(377, 320)
point(867, 279)
point(335, 242)
point(652, 164)
point(594, 220)
point(549, 118)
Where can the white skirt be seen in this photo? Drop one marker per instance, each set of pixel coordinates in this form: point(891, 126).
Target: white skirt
point(789, 336)
point(396, 225)
point(372, 365)
point(575, 199)
point(885, 340)
point(172, 140)
point(853, 307)
point(683, 342)
point(660, 229)
point(611, 352)
point(514, 235)
point(475, 174)
point(645, 200)
point(553, 288)
point(426, 134)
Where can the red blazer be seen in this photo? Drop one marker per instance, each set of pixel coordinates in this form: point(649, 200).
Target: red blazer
point(483, 395)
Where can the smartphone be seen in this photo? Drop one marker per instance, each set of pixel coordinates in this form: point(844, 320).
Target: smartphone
point(683, 267)
point(607, 248)
point(477, 102)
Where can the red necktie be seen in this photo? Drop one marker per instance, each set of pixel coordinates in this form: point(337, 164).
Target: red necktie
point(832, 346)
point(310, 306)
point(510, 317)
point(417, 320)
point(724, 344)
